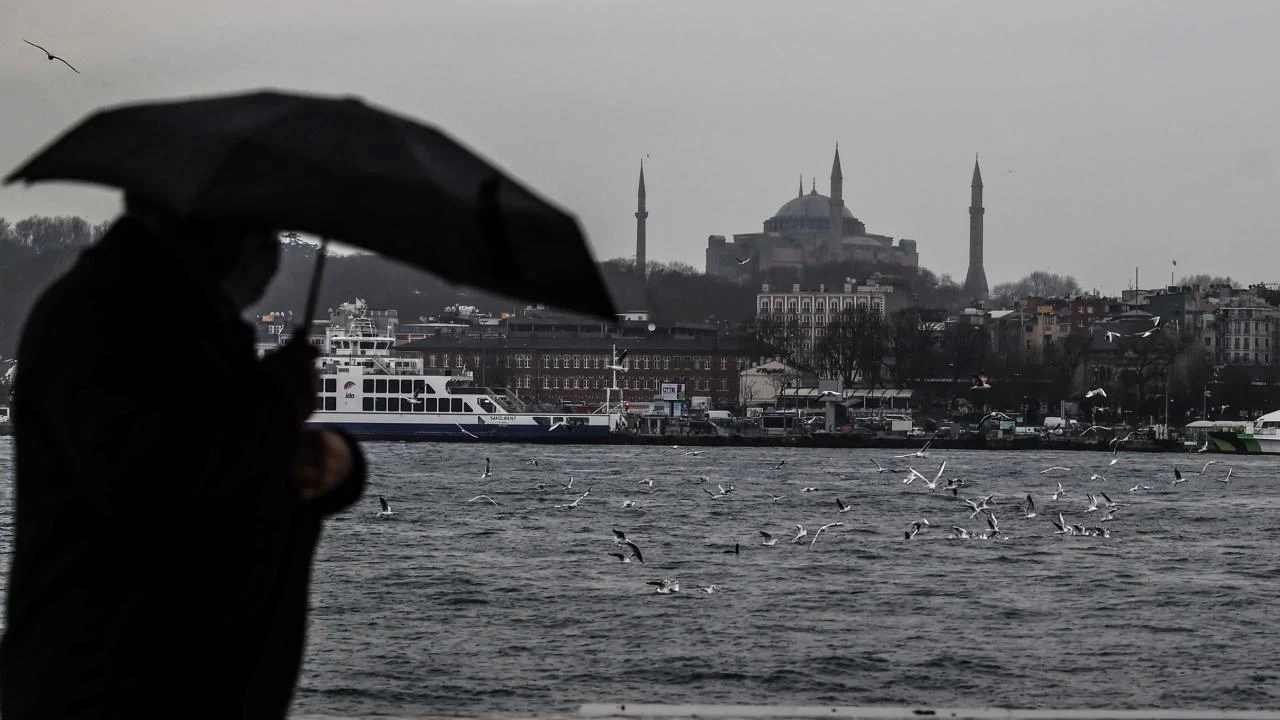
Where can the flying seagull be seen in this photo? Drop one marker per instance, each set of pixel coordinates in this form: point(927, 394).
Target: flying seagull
point(769, 540)
point(467, 432)
point(1228, 477)
point(915, 528)
point(819, 532)
point(50, 55)
point(1206, 466)
point(879, 468)
point(742, 261)
point(386, 510)
point(843, 508)
point(486, 498)
point(800, 533)
point(618, 365)
point(1095, 392)
point(1055, 467)
point(922, 452)
point(1177, 476)
point(486, 473)
point(574, 504)
point(780, 464)
point(665, 586)
point(1028, 510)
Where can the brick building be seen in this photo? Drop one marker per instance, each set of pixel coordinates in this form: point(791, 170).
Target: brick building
point(564, 361)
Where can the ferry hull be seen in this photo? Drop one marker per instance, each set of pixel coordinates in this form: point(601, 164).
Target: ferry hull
point(1244, 443)
point(466, 432)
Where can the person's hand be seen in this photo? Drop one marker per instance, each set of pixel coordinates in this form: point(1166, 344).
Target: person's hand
point(293, 368)
point(323, 463)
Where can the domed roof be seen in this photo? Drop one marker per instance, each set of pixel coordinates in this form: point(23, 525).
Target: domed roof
point(811, 206)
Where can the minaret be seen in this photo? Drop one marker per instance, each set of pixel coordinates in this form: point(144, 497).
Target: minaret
point(835, 222)
point(641, 216)
point(975, 282)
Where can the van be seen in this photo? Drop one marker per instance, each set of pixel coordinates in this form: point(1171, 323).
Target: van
point(720, 416)
point(1052, 423)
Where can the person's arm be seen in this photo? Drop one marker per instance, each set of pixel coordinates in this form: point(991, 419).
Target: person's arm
point(330, 472)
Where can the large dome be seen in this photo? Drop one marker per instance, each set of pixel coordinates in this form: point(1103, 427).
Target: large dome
point(809, 206)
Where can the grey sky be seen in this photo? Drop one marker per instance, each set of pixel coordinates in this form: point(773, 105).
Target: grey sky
point(1112, 134)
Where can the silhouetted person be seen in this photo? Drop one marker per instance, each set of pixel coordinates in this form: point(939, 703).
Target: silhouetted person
point(168, 496)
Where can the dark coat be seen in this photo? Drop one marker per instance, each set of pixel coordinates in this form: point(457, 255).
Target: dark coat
point(161, 559)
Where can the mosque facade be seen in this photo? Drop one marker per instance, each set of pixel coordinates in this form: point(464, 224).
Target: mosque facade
point(809, 229)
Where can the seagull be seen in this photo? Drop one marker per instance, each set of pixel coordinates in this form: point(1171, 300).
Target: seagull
point(769, 540)
point(568, 485)
point(486, 472)
point(734, 551)
point(980, 382)
point(620, 539)
point(809, 489)
point(1058, 494)
point(628, 504)
point(1061, 525)
point(780, 464)
point(621, 557)
point(1177, 476)
point(574, 504)
point(708, 589)
point(486, 498)
point(1111, 515)
point(386, 510)
point(819, 532)
point(843, 508)
point(1134, 489)
point(1206, 466)
point(829, 393)
point(1095, 392)
point(725, 490)
point(467, 432)
point(1111, 336)
point(921, 453)
point(993, 523)
point(742, 261)
point(618, 365)
point(533, 462)
point(557, 426)
point(714, 496)
point(1093, 503)
point(1204, 447)
point(1109, 502)
point(959, 533)
point(774, 498)
point(914, 528)
point(1055, 467)
point(1097, 476)
point(879, 468)
point(647, 481)
point(1230, 468)
point(979, 507)
point(1028, 510)
point(665, 586)
point(800, 533)
point(934, 485)
point(695, 452)
point(50, 55)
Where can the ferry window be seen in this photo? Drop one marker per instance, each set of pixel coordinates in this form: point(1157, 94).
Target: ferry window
point(419, 387)
point(393, 404)
point(331, 403)
point(577, 421)
point(545, 421)
point(366, 346)
point(485, 405)
point(559, 419)
point(466, 407)
point(429, 405)
point(457, 405)
point(368, 386)
point(380, 404)
point(381, 386)
point(319, 402)
point(367, 404)
point(393, 386)
point(330, 385)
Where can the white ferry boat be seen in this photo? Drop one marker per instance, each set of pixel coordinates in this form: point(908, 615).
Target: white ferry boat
point(375, 395)
point(1260, 437)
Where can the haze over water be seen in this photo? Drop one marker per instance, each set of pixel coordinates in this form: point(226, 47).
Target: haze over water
point(469, 607)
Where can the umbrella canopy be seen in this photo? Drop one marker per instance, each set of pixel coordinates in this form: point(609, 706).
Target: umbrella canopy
point(343, 170)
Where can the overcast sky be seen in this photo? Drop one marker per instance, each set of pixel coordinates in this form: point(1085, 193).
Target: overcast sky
point(1112, 134)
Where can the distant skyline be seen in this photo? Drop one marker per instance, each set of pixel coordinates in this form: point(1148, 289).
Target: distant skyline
point(1111, 134)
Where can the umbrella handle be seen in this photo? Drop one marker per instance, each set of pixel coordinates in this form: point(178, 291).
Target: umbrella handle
point(313, 294)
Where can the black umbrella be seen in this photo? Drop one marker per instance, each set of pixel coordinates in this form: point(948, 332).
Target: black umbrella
point(342, 170)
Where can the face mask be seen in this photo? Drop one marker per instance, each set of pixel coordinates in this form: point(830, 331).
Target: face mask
point(257, 262)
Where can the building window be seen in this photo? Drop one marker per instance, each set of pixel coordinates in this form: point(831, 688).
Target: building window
point(546, 382)
point(577, 361)
point(724, 384)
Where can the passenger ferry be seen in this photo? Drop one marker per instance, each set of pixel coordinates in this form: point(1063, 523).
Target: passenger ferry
point(374, 395)
point(1261, 437)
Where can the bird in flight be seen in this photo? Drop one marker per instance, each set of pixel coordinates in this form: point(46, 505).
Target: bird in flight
point(618, 361)
point(50, 55)
point(742, 261)
point(1095, 392)
point(386, 510)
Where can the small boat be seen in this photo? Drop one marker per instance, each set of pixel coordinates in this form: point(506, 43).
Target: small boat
point(1260, 437)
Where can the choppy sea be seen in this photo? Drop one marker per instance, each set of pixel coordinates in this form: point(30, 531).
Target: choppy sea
point(461, 606)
